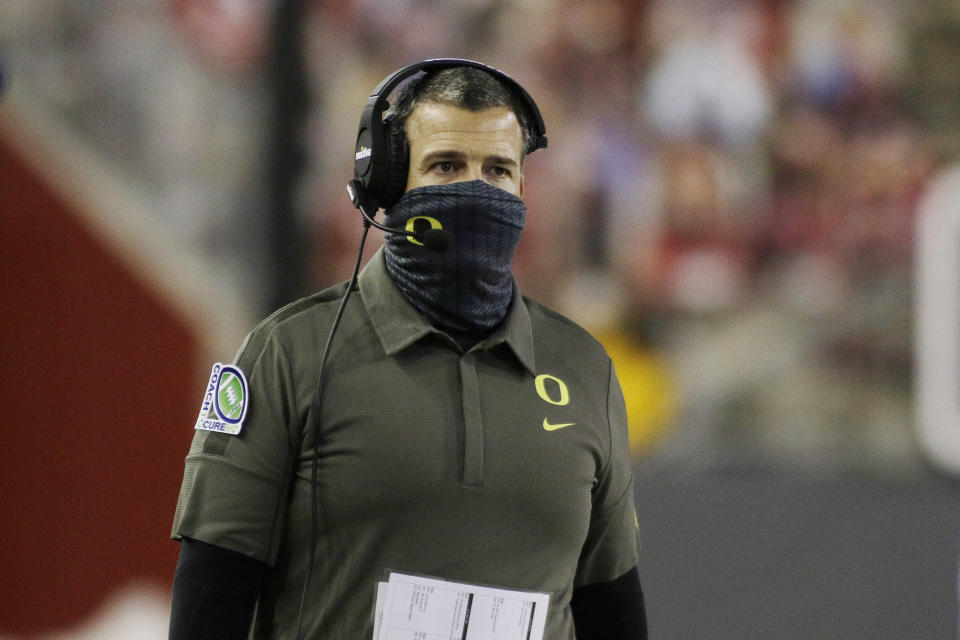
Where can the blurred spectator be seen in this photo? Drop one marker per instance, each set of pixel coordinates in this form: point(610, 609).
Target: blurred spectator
point(706, 83)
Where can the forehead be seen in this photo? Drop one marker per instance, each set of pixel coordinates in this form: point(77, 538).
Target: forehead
point(443, 127)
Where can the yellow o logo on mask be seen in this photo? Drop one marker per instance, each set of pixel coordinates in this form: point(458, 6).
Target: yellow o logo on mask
point(434, 224)
point(541, 383)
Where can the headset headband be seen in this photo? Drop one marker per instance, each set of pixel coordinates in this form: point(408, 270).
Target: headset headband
point(377, 180)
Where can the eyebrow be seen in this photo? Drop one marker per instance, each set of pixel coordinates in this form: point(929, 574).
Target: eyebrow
point(502, 160)
point(441, 156)
point(450, 156)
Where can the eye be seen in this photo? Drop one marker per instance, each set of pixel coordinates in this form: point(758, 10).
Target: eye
point(500, 172)
point(444, 167)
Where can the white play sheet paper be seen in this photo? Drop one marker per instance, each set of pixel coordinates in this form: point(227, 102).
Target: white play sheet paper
point(421, 608)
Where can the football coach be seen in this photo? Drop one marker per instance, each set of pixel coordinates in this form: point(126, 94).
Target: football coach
point(423, 418)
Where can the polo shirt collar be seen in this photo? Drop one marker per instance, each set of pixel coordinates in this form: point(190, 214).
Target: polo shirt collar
point(517, 331)
point(399, 325)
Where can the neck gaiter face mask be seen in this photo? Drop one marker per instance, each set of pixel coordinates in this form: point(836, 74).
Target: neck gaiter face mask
point(468, 287)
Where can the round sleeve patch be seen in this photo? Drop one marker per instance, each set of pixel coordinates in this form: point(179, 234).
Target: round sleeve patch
point(225, 400)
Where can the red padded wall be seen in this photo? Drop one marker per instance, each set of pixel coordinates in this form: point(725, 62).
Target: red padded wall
point(97, 396)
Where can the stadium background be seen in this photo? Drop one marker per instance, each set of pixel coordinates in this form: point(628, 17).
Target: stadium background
point(730, 202)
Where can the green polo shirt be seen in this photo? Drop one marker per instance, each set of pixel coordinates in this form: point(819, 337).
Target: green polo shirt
point(506, 465)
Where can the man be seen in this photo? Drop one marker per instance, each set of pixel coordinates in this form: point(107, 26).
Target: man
point(463, 432)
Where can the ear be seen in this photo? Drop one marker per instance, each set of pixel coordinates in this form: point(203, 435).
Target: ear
point(521, 186)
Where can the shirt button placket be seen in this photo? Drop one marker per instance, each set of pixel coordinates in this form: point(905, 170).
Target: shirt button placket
point(472, 422)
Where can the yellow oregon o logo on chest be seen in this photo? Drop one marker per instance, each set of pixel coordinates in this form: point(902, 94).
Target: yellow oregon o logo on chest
point(559, 388)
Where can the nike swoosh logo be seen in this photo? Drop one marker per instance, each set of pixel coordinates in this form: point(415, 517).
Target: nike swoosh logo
point(553, 427)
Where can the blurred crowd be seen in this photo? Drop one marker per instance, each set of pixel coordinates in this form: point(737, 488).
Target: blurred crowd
point(727, 199)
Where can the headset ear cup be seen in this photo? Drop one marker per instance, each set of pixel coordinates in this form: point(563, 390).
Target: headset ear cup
point(396, 179)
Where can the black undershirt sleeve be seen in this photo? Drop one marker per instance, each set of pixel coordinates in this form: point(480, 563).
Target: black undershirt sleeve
point(610, 610)
point(214, 592)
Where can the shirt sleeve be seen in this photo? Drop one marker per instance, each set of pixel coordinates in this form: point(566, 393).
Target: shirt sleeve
point(234, 488)
point(612, 544)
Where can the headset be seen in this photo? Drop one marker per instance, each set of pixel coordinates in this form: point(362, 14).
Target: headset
point(379, 179)
point(379, 169)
